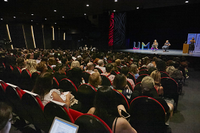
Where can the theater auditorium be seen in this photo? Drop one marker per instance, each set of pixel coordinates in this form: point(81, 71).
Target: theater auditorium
point(99, 66)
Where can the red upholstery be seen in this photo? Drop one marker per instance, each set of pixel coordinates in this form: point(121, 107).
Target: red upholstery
point(40, 103)
point(28, 72)
point(22, 92)
point(75, 114)
point(19, 92)
point(164, 72)
point(130, 85)
point(56, 81)
point(11, 67)
point(19, 69)
point(70, 116)
point(71, 82)
point(90, 86)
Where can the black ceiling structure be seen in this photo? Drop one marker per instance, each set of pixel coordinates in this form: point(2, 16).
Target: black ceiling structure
point(55, 11)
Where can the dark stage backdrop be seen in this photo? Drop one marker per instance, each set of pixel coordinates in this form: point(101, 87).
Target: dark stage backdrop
point(167, 23)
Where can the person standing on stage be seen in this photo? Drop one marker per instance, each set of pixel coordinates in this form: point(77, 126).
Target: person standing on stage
point(166, 46)
point(191, 48)
point(154, 45)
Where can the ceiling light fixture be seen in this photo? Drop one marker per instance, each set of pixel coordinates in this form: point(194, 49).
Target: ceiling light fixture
point(114, 10)
point(5, 0)
point(87, 5)
point(31, 20)
point(45, 18)
point(14, 16)
point(85, 14)
point(116, 0)
point(186, 1)
point(55, 10)
point(63, 16)
point(1, 18)
point(137, 7)
point(32, 14)
point(55, 23)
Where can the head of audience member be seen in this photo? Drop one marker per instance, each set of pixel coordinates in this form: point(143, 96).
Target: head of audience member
point(147, 84)
point(118, 62)
point(43, 84)
point(115, 67)
point(52, 61)
point(61, 68)
point(90, 66)
point(177, 74)
point(119, 82)
point(37, 55)
point(75, 64)
point(156, 76)
point(150, 65)
point(100, 63)
point(151, 69)
point(31, 65)
point(42, 67)
point(125, 70)
point(96, 60)
point(5, 117)
point(160, 65)
point(105, 102)
point(133, 69)
point(109, 67)
point(20, 62)
point(145, 60)
point(95, 79)
point(170, 70)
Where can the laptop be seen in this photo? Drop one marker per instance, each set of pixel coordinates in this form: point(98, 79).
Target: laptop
point(62, 126)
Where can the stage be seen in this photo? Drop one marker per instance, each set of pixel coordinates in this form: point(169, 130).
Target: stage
point(170, 52)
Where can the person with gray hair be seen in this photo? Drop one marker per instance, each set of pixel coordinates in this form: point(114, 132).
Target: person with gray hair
point(101, 65)
point(90, 68)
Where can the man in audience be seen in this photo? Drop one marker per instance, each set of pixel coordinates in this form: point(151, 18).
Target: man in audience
point(90, 68)
point(101, 65)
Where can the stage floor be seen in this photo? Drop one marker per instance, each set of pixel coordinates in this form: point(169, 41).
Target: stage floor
point(160, 52)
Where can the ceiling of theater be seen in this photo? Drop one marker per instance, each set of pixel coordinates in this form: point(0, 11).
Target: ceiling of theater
point(44, 10)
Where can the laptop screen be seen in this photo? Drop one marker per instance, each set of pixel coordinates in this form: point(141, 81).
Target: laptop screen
point(62, 126)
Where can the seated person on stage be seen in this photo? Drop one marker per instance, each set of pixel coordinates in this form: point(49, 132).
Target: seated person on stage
point(166, 46)
point(154, 45)
point(106, 108)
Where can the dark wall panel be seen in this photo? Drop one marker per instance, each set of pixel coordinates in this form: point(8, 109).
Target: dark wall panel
point(17, 36)
point(3, 32)
point(48, 36)
point(38, 36)
point(29, 39)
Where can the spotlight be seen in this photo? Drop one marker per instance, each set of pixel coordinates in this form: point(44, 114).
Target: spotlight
point(85, 14)
point(186, 1)
point(115, 0)
point(55, 23)
point(1, 18)
point(137, 7)
point(63, 16)
point(55, 10)
point(32, 14)
point(114, 10)
point(31, 20)
point(14, 16)
point(5, 0)
point(87, 5)
point(45, 18)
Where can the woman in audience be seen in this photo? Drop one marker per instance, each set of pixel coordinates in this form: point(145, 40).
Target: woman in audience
point(5, 117)
point(109, 68)
point(115, 69)
point(95, 80)
point(31, 66)
point(41, 67)
point(170, 70)
point(134, 70)
point(157, 79)
point(120, 84)
point(43, 87)
point(124, 71)
point(107, 109)
point(75, 74)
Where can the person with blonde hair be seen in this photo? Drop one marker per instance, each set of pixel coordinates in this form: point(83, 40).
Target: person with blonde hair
point(170, 70)
point(75, 64)
point(157, 79)
point(95, 80)
point(41, 67)
point(134, 70)
point(31, 65)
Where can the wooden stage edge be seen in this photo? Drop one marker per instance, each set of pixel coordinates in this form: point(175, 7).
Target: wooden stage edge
point(169, 52)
